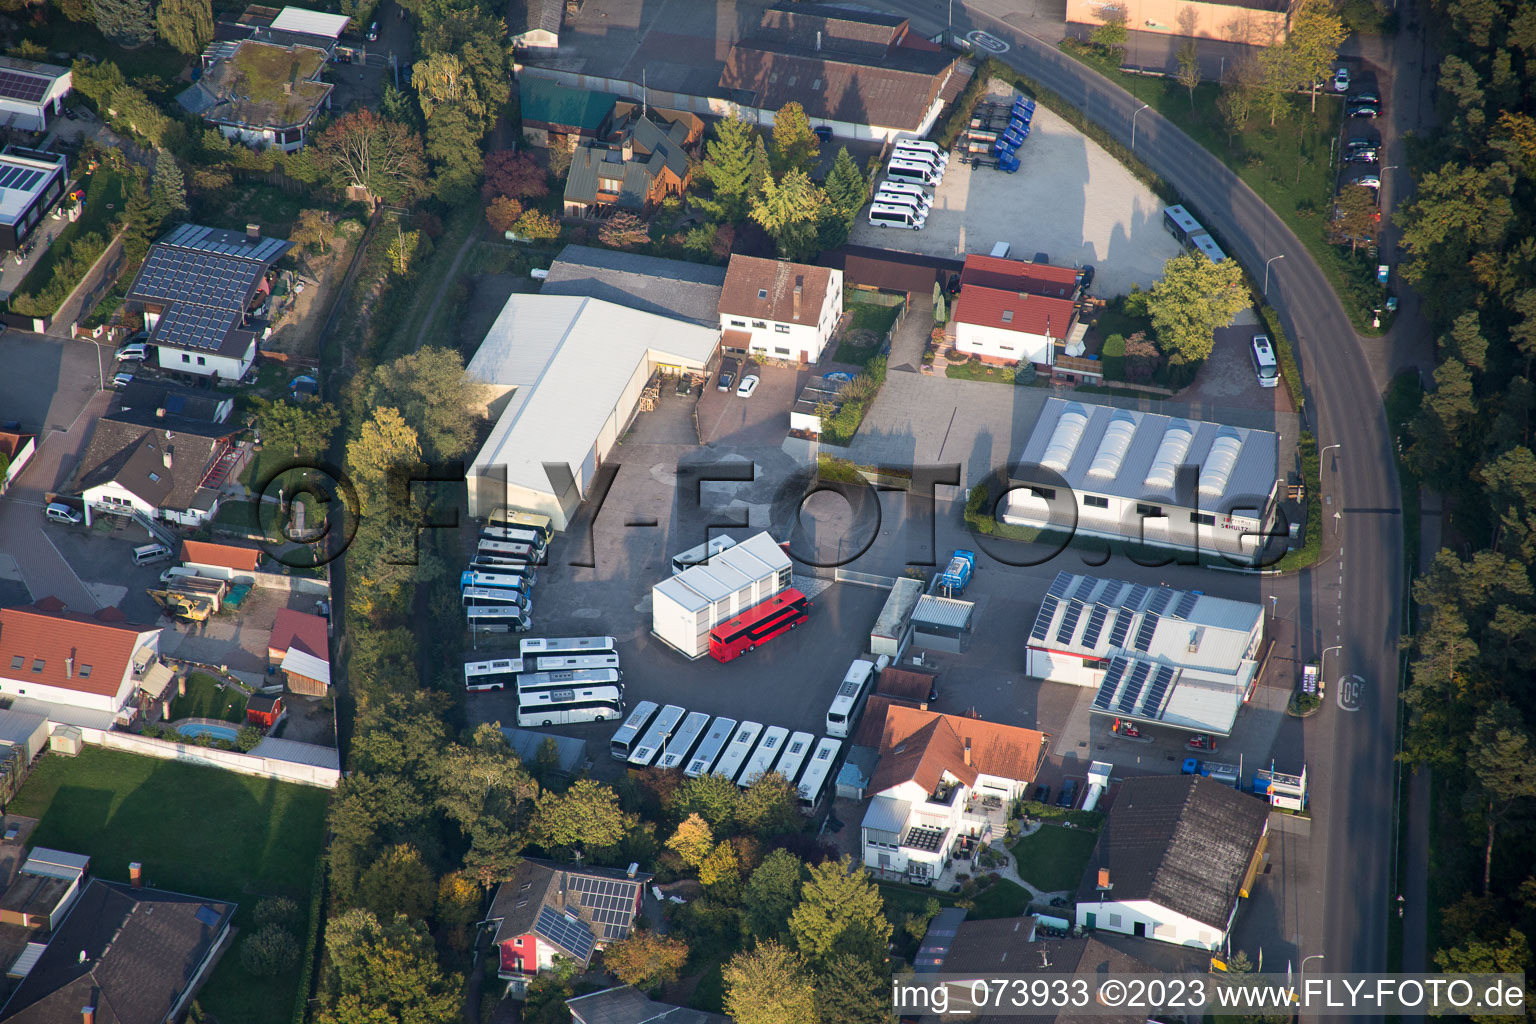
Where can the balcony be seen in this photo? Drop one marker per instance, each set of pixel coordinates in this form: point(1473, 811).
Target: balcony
point(944, 794)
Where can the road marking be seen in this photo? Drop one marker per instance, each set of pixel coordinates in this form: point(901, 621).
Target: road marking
point(988, 42)
point(1349, 693)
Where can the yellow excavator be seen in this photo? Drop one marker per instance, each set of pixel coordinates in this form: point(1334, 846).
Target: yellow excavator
point(183, 606)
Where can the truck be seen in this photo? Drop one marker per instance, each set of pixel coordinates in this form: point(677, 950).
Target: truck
point(1005, 162)
point(1230, 774)
point(210, 590)
point(957, 574)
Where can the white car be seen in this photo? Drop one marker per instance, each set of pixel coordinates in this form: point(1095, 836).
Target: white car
point(122, 380)
point(748, 385)
point(134, 352)
point(1341, 80)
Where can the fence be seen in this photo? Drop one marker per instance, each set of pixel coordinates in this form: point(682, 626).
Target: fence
point(212, 757)
point(863, 579)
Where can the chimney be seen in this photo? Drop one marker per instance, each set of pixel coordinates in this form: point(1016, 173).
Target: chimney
point(160, 411)
point(633, 867)
point(1104, 880)
point(252, 232)
point(136, 874)
point(165, 457)
point(799, 290)
point(69, 667)
point(87, 1015)
point(967, 752)
point(818, 40)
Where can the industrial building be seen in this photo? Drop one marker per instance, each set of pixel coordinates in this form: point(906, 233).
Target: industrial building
point(30, 183)
point(1147, 478)
point(685, 607)
point(32, 94)
point(1158, 656)
point(565, 375)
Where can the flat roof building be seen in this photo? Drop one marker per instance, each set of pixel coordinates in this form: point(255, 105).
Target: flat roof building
point(32, 93)
point(565, 375)
point(259, 93)
point(1158, 656)
point(650, 284)
point(30, 183)
point(1147, 478)
point(685, 607)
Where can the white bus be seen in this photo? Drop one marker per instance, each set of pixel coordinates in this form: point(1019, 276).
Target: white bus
point(852, 692)
point(1264, 362)
point(911, 172)
point(497, 563)
point(710, 747)
point(483, 676)
point(528, 682)
point(906, 152)
point(737, 750)
point(484, 618)
point(701, 554)
point(882, 215)
point(818, 774)
point(623, 740)
point(656, 736)
point(504, 580)
point(683, 741)
point(519, 517)
point(915, 191)
point(568, 645)
point(793, 758)
point(569, 707)
point(515, 535)
point(494, 596)
point(923, 160)
point(762, 760)
point(510, 550)
point(556, 662)
point(933, 149)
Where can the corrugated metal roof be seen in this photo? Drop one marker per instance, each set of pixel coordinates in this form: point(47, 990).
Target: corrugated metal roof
point(19, 726)
point(943, 611)
point(887, 814)
point(1252, 476)
point(311, 23)
point(27, 960)
point(307, 665)
point(570, 359)
point(56, 863)
point(651, 284)
point(298, 753)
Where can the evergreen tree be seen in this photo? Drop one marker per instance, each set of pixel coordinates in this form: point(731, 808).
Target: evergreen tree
point(846, 186)
point(852, 991)
point(169, 186)
point(795, 146)
point(185, 24)
point(790, 211)
point(125, 22)
point(728, 167)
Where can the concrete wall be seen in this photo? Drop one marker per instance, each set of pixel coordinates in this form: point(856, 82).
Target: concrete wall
point(229, 760)
point(1174, 526)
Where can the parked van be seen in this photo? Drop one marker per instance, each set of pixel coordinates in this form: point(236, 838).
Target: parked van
point(913, 156)
point(147, 553)
point(912, 172)
point(1264, 362)
point(58, 513)
point(933, 149)
point(902, 188)
point(885, 198)
point(885, 216)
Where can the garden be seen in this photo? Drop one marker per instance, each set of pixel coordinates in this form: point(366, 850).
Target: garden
point(207, 697)
point(1052, 858)
point(71, 255)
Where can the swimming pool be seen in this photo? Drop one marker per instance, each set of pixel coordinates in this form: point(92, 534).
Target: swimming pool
point(192, 730)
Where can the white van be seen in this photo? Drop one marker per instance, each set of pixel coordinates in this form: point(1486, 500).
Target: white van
point(901, 188)
point(912, 156)
point(146, 553)
point(1264, 362)
point(885, 198)
point(59, 513)
point(919, 145)
point(912, 172)
point(885, 216)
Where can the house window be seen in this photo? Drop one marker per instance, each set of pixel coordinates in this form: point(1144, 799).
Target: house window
point(738, 323)
point(1006, 348)
point(518, 942)
point(201, 361)
point(85, 671)
point(1007, 316)
point(154, 478)
point(1202, 519)
point(761, 325)
point(1048, 493)
point(781, 351)
point(1114, 921)
point(762, 293)
point(1151, 511)
point(781, 328)
point(608, 184)
point(1095, 501)
point(1096, 664)
point(18, 660)
point(37, 664)
point(186, 358)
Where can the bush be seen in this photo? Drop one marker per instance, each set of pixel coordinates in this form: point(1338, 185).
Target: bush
point(278, 910)
point(502, 214)
point(1009, 373)
point(247, 738)
point(537, 226)
point(272, 950)
point(1141, 358)
point(1025, 374)
point(1113, 357)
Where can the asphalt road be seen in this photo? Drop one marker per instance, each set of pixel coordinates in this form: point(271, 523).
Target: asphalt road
point(1349, 754)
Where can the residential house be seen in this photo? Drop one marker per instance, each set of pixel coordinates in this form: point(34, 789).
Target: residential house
point(535, 24)
point(161, 403)
point(628, 1005)
point(220, 561)
point(1010, 312)
point(774, 309)
point(562, 115)
point(97, 662)
point(547, 910)
point(263, 709)
point(204, 293)
point(645, 164)
point(318, 30)
point(1176, 855)
point(942, 788)
point(17, 450)
point(674, 288)
point(158, 474)
point(260, 94)
point(1248, 22)
point(122, 955)
point(31, 182)
point(300, 646)
point(32, 94)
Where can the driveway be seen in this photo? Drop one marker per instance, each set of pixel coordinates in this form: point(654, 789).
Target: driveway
point(48, 380)
point(762, 419)
point(1228, 379)
point(1070, 200)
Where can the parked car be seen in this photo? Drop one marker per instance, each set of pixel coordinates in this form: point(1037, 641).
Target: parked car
point(728, 367)
point(122, 379)
point(60, 513)
point(1087, 276)
point(133, 352)
point(1341, 80)
point(1368, 180)
point(823, 133)
point(1361, 156)
point(373, 33)
point(1363, 110)
point(69, 112)
point(748, 385)
point(1068, 796)
point(1042, 794)
point(1370, 96)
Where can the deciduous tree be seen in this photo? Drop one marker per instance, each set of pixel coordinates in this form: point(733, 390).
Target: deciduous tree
point(125, 22)
point(692, 841)
point(398, 882)
point(509, 173)
point(769, 807)
point(711, 797)
point(1354, 217)
point(851, 991)
point(432, 391)
point(1111, 35)
point(536, 226)
point(362, 150)
point(623, 230)
point(720, 873)
point(1188, 74)
point(298, 430)
point(771, 895)
point(585, 816)
point(385, 971)
point(1194, 297)
point(646, 960)
point(769, 985)
point(1313, 41)
point(501, 213)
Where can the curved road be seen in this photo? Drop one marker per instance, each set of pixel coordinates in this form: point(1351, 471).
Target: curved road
point(1357, 588)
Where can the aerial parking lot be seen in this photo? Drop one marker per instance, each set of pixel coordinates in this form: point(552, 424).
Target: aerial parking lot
point(1069, 199)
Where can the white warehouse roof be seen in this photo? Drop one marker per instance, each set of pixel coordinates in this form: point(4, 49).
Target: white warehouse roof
point(310, 23)
point(1130, 454)
point(568, 359)
point(756, 558)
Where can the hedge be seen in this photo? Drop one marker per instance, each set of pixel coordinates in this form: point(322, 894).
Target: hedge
point(1290, 372)
point(1311, 477)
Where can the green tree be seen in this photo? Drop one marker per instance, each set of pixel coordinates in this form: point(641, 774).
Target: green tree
point(269, 951)
point(398, 882)
point(840, 911)
point(795, 146)
point(1278, 77)
point(385, 447)
point(170, 185)
point(728, 168)
point(720, 873)
point(299, 430)
point(1111, 34)
point(125, 22)
point(585, 816)
point(646, 960)
point(712, 797)
point(313, 230)
point(769, 985)
point(501, 214)
point(536, 226)
point(385, 971)
point(1313, 41)
point(381, 156)
point(1354, 217)
point(852, 991)
point(789, 211)
point(771, 895)
point(185, 24)
point(1188, 74)
point(623, 231)
point(1503, 762)
point(1507, 953)
point(1194, 297)
point(769, 807)
point(846, 187)
point(453, 147)
point(692, 841)
point(435, 395)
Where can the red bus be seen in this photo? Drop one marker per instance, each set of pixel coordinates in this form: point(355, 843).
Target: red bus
point(758, 624)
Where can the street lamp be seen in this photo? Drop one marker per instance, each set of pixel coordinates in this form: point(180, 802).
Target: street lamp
point(1322, 663)
point(1303, 980)
point(1266, 272)
point(1325, 452)
point(1133, 124)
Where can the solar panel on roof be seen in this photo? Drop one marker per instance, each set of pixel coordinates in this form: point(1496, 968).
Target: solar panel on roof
point(1120, 628)
point(1059, 585)
point(1110, 684)
point(208, 916)
point(15, 85)
point(1043, 620)
point(1160, 601)
point(1069, 623)
point(1154, 698)
point(1133, 687)
point(1095, 625)
point(1187, 602)
point(1144, 634)
point(570, 934)
point(1137, 595)
point(1084, 588)
point(1111, 592)
point(28, 179)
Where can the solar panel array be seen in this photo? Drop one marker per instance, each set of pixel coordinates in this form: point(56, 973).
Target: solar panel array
point(1122, 626)
point(570, 934)
point(1095, 625)
point(190, 276)
point(1152, 703)
point(1043, 620)
point(1133, 686)
point(17, 86)
point(1112, 592)
point(1059, 585)
point(1187, 602)
point(1160, 601)
point(22, 179)
point(1138, 595)
point(1144, 634)
point(190, 326)
point(220, 242)
point(1084, 588)
point(1069, 623)
point(925, 839)
point(611, 903)
point(1110, 684)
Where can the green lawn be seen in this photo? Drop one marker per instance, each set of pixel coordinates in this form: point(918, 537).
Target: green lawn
point(1053, 858)
point(901, 900)
point(208, 698)
point(103, 201)
point(988, 374)
point(866, 316)
point(196, 830)
point(242, 515)
point(1000, 899)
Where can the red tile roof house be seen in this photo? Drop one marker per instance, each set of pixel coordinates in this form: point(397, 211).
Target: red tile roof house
point(775, 309)
point(95, 661)
point(221, 561)
point(547, 910)
point(300, 645)
point(944, 784)
point(1009, 312)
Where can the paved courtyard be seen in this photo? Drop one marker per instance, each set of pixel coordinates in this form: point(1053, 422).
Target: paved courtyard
point(1070, 199)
